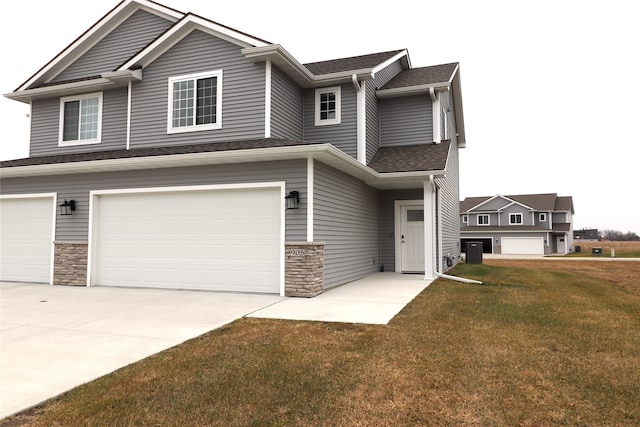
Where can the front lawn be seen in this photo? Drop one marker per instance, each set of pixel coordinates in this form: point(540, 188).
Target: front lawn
point(537, 344)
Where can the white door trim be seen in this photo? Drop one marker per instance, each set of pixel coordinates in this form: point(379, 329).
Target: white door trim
point(398, 204)
point(94, 197)
point(54, 199)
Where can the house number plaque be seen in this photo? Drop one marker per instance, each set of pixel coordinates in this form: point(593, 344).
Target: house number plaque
point(296, 252)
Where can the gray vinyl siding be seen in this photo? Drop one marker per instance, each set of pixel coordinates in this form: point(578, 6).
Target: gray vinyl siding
point(527, 216)
point(286, 106)
point(111, 52)
point(449, 196)
point(243, 93)
point(346, 218)
point(406, 120)
point(387, 223)
point(493, 205)
point(373, 113)
point(343, 136)
point(45, 125)
point(77, 187)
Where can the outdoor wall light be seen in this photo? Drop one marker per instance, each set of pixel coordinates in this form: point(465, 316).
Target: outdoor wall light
point(67, 207)
point(293, 200)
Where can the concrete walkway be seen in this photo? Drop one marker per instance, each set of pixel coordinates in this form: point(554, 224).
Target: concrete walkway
point(54, 338)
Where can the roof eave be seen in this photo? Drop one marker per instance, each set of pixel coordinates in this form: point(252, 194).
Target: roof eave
point(297, 71)
point(325, 153)
point(105, 81)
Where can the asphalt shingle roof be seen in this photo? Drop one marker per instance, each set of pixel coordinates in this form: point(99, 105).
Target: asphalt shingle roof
point(422, 76)
point(411, 158)
point(540, 202)
point(351, 63)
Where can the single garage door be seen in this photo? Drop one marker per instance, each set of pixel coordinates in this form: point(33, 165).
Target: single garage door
point(522, 246)
point(26, 239)
point(221, 239)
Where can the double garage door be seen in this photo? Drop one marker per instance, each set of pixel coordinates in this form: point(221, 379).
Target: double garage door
point(201, 239)
point(522, 246)
point(204, 238)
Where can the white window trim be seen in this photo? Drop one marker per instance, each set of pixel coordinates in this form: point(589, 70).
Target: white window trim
point(195, 127)
point(338, 91)
point(97, 139)
point(465, 219)
point(484, 215)
point(516, 223)
point(542, 217)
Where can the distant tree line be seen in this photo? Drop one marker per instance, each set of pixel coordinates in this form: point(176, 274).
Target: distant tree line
point(617, 235)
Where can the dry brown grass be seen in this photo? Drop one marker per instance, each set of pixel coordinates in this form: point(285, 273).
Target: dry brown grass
point(541, 343)
point(621, 249)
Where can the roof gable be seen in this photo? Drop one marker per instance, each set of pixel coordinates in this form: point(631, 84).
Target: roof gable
point(94, 35)
point(547, 202)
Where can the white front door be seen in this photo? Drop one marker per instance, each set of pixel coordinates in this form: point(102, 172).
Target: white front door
point(561, 247)
point(412, 239)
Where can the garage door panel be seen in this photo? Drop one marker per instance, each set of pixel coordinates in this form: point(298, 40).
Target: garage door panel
point(206, 239)
point(26, 243)
point(523, 245)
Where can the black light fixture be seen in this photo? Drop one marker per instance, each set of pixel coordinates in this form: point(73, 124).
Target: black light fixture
point(293, 200)
point(67, 207)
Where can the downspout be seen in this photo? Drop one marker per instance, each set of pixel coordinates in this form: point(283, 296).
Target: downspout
point(439, 243)
point(361, 110)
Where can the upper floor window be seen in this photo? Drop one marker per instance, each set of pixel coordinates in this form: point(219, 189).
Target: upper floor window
point(328, 106)
point(80, 119)
point(195, 102)
point(465, 219)
point(515, 218)
point(543, 217)
point(483, 219)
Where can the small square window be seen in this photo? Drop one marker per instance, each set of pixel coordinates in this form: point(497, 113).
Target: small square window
point(465, 219)
point(543, 217)
point(328, 106)
point(80, 119)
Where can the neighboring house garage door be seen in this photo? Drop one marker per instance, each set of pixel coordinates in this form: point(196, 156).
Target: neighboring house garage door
point(202, 239)
point(26, 236)
point(522, 246)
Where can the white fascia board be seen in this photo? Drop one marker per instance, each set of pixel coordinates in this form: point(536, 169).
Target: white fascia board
point(179, 31)
point(106, 81)
point(93, 35)
point(413, 90)
point(325, 153)
point(391, 60)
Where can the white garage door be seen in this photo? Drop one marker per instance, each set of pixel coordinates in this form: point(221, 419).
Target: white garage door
point(522, 246)
point(26, 239)
point(226, 240)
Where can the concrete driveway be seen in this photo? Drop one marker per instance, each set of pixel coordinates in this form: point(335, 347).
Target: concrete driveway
point(54, 338)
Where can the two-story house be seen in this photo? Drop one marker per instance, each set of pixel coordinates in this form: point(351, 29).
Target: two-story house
point(529, 224)
point(168, 150)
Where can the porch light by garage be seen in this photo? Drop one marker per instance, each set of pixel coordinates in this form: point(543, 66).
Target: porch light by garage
point(293, 200)
point(67, 207)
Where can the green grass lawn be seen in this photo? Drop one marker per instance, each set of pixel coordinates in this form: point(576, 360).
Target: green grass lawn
point(533, 346)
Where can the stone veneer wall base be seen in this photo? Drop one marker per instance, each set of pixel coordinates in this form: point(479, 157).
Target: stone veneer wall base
point(70, 263)
point(304, 269)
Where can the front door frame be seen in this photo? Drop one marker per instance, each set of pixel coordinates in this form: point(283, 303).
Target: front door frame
point(398, 205)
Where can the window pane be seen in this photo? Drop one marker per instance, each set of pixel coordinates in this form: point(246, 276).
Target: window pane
point(89, 118)
point(206, 101)
point(182, 108)
point(415, 215)
point(71, 121)
point(327, 106)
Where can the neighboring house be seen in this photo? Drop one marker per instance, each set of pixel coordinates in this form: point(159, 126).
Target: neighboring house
point(586, 235)
point(168, 150)
point(530, 224)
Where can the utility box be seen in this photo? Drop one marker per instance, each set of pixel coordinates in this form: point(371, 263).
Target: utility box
point(578, 248)
point(596, 251)
point(474, 252)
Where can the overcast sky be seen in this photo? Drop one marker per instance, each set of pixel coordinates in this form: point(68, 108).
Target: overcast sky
point(551, 89)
